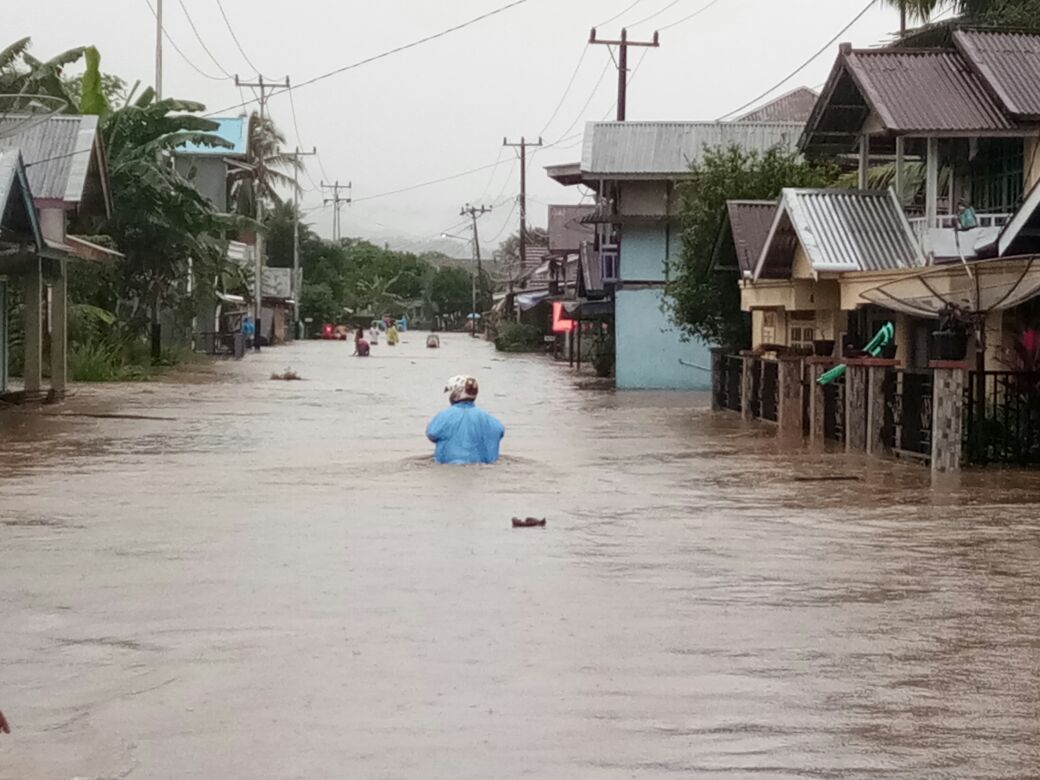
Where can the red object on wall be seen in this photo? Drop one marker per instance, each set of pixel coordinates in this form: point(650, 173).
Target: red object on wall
point(561, 323)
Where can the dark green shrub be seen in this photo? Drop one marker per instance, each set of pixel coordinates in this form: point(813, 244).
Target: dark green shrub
point(518, 337)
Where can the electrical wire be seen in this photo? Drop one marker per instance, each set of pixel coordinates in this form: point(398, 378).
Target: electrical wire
point(505, 224)
point(698, 12)
point(185, 57)
point(491, 178)
point(801, 67)
point(234, 37)
point(202, 43)
point(428, 183)
point(388, 52)
point(655, 14)
point(619, 14)
point(592, 95)
point(566, 90)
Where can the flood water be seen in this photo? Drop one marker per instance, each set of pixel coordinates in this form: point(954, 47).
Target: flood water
point(272, 580)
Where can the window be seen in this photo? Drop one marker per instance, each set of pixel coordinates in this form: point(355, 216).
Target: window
point(801, 330)
point(609, 260)
point(997, 176)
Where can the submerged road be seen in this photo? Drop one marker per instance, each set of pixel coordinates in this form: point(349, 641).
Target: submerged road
point(272, 580)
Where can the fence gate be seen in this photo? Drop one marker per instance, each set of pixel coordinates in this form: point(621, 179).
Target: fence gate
point(1006, 429)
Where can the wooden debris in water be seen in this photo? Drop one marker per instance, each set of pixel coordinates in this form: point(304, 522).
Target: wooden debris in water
point(528, 522)
point(287, 376)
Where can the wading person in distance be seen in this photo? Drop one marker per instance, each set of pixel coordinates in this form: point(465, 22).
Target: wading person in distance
point(462, 432)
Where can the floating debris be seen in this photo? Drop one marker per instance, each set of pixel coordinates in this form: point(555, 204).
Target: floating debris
point(528, 522)
point(287, 376)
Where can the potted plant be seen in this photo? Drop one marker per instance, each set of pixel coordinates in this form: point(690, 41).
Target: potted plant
point(950, 342)
point(823, 347)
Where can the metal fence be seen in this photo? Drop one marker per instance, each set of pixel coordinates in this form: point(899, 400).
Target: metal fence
point(907, 424)
point(834, 410)
point(770, 389)
point(1005, 426)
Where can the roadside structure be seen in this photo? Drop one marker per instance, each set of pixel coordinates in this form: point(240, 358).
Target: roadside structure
point(635, 169)
point(64, 166)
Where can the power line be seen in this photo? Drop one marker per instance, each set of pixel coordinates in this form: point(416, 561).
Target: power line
point(491, 178)
point(202, 43)
point(619, 14)
point(184, 56)
point(655, 14)
point(803, 66)
point(390, 52)
point(595, 89)
point(234, 37)
point(566, 90)
point(430, 182)
point(299, 140)
point(698, 12)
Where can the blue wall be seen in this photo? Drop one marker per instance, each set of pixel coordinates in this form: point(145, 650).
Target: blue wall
point(644, 250)
point(649, 346)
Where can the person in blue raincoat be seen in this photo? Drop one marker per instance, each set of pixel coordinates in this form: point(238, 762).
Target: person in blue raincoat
point(462, 432)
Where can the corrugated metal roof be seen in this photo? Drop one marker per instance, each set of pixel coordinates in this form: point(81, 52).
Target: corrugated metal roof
point(840, 230)
point(794, 106)
point(1009, 62)
point(17, 213)
point(667, 149)
point(57, 153)
point(234, 130)
point(750, 222)
point(925, 90)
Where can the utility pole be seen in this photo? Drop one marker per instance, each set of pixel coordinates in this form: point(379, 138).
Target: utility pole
point(158, 49)
point(622, 63)
point(478, 282)
point(524, 143)
point(336, 200)
point(296, 232)
point(261, 175)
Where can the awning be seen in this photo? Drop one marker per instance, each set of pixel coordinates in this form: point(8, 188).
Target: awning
point(529, 300)
point(588, 310)
point(979, 286)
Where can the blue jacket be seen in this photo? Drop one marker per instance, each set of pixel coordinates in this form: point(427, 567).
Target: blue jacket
point(465, 434)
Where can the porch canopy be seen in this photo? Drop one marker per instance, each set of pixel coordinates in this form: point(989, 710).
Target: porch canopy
point(978, 287)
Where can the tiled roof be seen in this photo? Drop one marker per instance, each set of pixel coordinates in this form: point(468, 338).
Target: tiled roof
point(667, 149)
point(1009, 63)
point(750, 222)
point(795, 106)
point(839, 230)
point(923, 90)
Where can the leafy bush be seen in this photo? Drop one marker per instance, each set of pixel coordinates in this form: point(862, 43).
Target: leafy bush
point(95, 361)
point(518, 337)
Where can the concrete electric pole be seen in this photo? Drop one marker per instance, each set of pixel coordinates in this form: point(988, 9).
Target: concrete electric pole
point(522, 146)
point(622, 63)
point(261, 175)
point(478, 282)
point(336, 200)
point(295, 281)
point(158, 49)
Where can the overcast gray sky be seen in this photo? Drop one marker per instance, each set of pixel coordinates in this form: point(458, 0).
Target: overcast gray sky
point(443, 107)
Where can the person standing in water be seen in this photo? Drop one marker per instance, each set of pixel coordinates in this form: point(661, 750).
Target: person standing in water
point(463, 433)
point(361, 348)
point(391, 336)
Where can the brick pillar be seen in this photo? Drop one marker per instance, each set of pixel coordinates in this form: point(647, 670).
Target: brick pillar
point(877, 368)
point(747, 364)
point(718, 376)
point(855, 406)
point(789, 395)
point(817, 367)
point(947, 414)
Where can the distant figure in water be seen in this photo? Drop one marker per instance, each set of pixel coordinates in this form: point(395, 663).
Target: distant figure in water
point(433, 341)
point(391, 336)
point(361, 348)
point(463, 433)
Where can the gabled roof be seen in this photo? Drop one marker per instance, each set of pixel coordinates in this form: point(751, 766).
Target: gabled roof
point(746, 229)
point(18, 218)
point(916, 92)
point(665, 150)
point(1009, 63)
point(793, 106)
point(65, 159)
point(234, 130)
point(839, 230)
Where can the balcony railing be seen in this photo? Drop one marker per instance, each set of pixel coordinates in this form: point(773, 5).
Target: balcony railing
point(952, 222)
point(943, 236)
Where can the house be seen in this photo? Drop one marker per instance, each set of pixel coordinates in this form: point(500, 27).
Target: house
point(64, 168)
point(635, 169)
point(958, 126)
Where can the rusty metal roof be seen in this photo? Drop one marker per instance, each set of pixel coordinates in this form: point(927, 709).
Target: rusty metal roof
point(921, 91)
point(750, 222)
point(794, 106)
point(839, 230)
point(664, 150)
point(1009, 63)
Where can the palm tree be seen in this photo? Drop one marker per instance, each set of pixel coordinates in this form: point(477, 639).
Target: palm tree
point(265, 140)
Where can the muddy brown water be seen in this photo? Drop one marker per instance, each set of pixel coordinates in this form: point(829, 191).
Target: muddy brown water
point(273, 580)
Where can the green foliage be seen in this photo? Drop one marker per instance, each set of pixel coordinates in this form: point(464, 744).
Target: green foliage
point(518, 337)
point(704, 302)
point(1009, 13)
point(451, 291)
point(265, 142)
point(92, 94)
point(95, 361)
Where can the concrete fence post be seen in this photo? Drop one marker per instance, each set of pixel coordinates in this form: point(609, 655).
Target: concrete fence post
point(855, 406)
point(877, 370)
point(948, 380)
point(789, 394)
point(817, 367)
point(747, 365)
